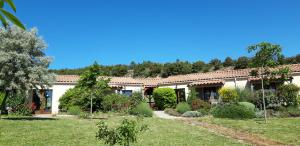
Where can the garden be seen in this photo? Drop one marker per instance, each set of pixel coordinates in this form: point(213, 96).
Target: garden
point(101, 117)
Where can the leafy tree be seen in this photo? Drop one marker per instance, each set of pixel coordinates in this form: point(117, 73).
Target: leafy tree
point(23, 64)
point(5, 14)
point(242, 62)
point(147, 69)
point(266, 55)
point(66, 71)
point(216, 63)
point(92, 84)
point(132, 65)
point(297, 58)
point(177, 68)
point(119, 70)
point(228, 62)
point(290, 60)
point(198, 66)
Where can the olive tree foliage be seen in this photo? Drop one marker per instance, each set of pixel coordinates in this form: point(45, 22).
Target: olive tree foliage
point(4, 14)
point(23, 64)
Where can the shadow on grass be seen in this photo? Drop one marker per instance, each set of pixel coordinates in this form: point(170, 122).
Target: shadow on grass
point(27, 118)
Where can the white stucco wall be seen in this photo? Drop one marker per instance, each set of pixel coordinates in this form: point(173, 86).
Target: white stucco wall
point(296, 80)
point(133, 88)
point(181, 86)
point(239, 83)
point(58, 91)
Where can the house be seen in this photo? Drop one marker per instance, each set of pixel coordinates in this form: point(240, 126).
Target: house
point(206, 84)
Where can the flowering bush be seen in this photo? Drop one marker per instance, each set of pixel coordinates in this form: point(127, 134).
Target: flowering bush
point(228, 94)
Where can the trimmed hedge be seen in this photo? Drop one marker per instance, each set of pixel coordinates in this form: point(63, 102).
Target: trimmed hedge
point(164, 98)
point(183, 107)
point(233, 111)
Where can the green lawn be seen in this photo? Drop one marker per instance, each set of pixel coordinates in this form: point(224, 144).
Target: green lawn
point(286, 130)
point(82, 132)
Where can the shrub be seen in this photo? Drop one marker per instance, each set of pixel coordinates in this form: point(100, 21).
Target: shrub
point(2, 95)
point(142, 109)
point(293, 111)
point(164, 98)
point(248, 105)
point(200, 104)
point(115, 102)
point(172, 112)
point(125, 134)
point(74, 110)
point(193, 95)
point(204, 111)
point(233, 110)
point(135, 99)
point(17, 105)
point(288, 94)
point(246, 95)
point(259, 114)
point(228, 94)
point(79, 97)
point(84, 115)
point(192, 114)
point(183, 107)
point(271, 100)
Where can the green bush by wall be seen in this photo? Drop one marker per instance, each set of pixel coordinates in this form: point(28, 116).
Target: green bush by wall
point(164, 98)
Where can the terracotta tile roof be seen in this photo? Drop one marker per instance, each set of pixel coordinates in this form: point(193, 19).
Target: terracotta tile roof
point(67, 78)
point(150, 82)
point(189, 78)
point(207, 76)
point(124, 81)
point(208, 82)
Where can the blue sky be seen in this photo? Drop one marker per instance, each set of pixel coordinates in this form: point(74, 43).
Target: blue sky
point(80, 32)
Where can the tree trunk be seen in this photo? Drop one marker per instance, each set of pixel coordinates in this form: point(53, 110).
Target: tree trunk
point(263, 94)
point(91, 110)
point(3, 104)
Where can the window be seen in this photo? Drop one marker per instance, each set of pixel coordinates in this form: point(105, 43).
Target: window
point(127, 92)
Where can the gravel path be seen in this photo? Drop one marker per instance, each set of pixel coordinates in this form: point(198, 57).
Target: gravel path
point(249, 138)
point(163, 115)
